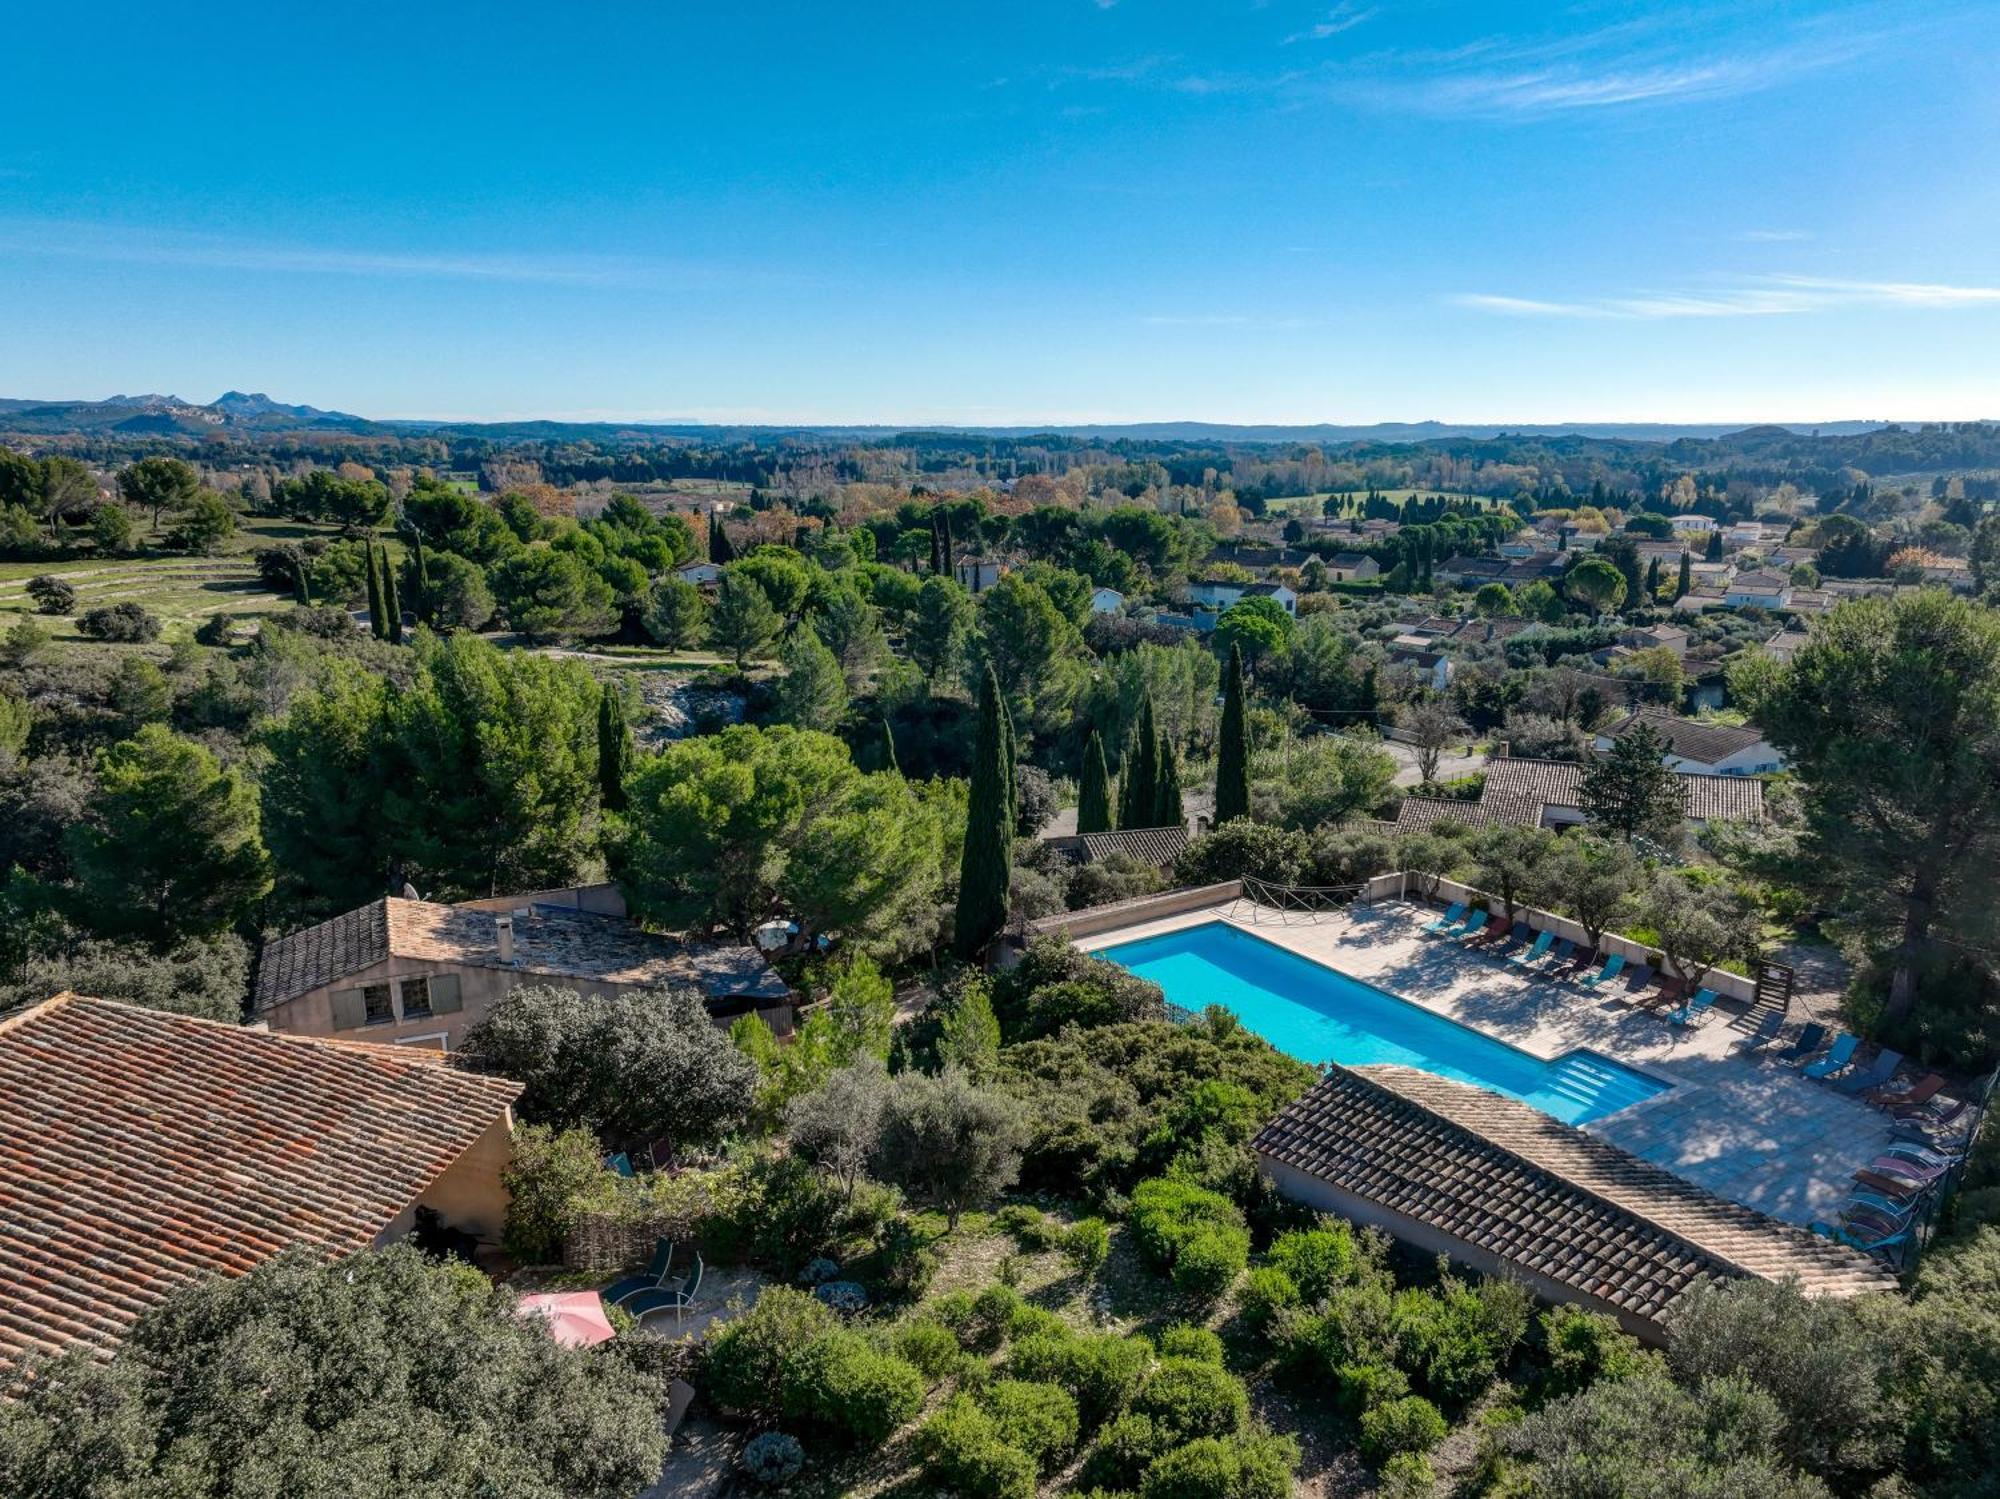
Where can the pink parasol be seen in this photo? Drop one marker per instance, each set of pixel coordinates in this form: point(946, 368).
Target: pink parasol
point(575, 1318)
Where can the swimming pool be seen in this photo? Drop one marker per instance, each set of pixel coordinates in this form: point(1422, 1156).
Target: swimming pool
point(1317, 1014)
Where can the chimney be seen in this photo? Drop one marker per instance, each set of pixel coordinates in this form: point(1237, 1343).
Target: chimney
point(503, 933)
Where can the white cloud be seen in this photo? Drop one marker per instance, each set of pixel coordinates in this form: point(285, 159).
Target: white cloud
point(1343, 17)
point(1764, 296)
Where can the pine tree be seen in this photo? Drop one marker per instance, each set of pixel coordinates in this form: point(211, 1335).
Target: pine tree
point(392, 600)
point(1232, 761)
point(987, 868)
point(378, 616)
point(719, 549)
point(1686, 579)
point(614, 749)
point(1168, 813)
point(1139, 793)
point(1093, 802)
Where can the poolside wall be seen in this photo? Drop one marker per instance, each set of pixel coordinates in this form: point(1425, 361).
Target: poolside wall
point(1094, 920)
point(1727, 985)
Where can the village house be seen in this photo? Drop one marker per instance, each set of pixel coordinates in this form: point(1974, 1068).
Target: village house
point(147, 1150)
point(1758, 590)
point(1352, 567)
point(1107, 601)
point(976, 575)
point(418, 973)
point(1714, 749)
point(1547, 794)
point(1286, 599)
point(1653, 637)
point(701, 574)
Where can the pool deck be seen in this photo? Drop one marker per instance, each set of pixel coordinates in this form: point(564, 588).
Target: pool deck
point(1745, 1127)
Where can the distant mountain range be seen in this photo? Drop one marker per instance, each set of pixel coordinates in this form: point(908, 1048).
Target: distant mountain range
point(237, 411)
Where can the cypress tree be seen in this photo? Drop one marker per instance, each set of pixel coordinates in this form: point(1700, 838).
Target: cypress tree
point(1093, 802)
point(937, 542)
point(1232, 760)
point(1007, 762)
point(1715, 545)
point(889, 760)
point(719, 549)
point(392, 600)
point(378, 616)
point(614, 749)
point(1652, 582)
point(420, 582)
point(987, 867)
point(1139, 794)
point(1686, 580)
point(1169, 813)
point(301, 586)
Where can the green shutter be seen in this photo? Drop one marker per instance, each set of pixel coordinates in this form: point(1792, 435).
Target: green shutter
point(350, 1011)
point(444, 994)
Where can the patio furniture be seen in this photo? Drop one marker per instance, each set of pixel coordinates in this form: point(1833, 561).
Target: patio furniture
point(1561, 956)
point(1768, 1026)
point(620, 1164)
point(1513, 937)
point(1841, 1054)
point(677, 1301)
point(1922, 1090)
point(1445, 922)
point(656, 1275)
point(575, 1318)
point(1902, 1169)
point(1534, 954)
point(1613, 966)
point(1879, 1072)
point(1930, 1115)
point(1474, 925)
point(1809, 1041)
point(1638, 981)
point(1694, 1009)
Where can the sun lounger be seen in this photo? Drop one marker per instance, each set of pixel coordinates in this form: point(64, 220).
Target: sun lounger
point(1496, 942)
point(1809, 1041)
point(1543, 942)
point(1694, 1009)
point(1879, 1072)
point(1638, 983)
point(1613, 966)
point(1451, 917)
point(665, 1299)
point(632, 1285)
point(1922, 1090)
point(1834, 1060)
point(1768, 1026)
point(1474, 925)
point(1903, 1169)
point(1561, 956)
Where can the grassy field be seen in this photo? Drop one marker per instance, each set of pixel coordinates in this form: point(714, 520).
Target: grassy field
point(180, 589)
point(1314, 503)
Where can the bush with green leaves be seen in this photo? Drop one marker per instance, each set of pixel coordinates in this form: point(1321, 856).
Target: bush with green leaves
point(1456, 1338)
point(1037, 1417)
point(746, 1368)
point(1266, 1292)
point(963, 1453)
point(1086, 1244)
point(1184, 1340)
point(127, 622)
point(1101, 1370)
point(1056, 985)
point(1410, 1424)
point(549, 1176)
point(1364, 1386)
point(1195, 1235)
point(1583, 1347)
point(1255, 1465)
point(849, 1386)
point(927, 1345)
point(1186, 1398)
point(1407, 1475)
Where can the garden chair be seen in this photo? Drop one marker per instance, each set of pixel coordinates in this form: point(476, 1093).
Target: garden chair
point(1534, 954)
point(1921, 1091)
point(1879, 1072)
point(1809, 1041)
point(1613, 966)
point(1841, 1054)
point(1768, 1026)
point(665, 1299)
point(1694, 1009)
point(1474, 925)
point(655, 1276)
point(1448, 920)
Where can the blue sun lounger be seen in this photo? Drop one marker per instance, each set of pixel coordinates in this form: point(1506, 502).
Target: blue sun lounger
point(1694, 1009)
point(1833, 1061)
point(655, 1276)
point(1449, 919)
point(1613, 966)
point(1474, 925)
point(1534, 954)
point(1878, 1072)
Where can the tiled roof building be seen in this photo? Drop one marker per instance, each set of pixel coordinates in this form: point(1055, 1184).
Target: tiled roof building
point(1497, 1184)
point(141, 1150)
point(1158, 847)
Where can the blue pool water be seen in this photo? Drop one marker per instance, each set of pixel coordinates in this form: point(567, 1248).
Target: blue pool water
point(1319, 1015)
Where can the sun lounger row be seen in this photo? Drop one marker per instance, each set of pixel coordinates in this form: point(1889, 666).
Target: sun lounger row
point(657, 1289)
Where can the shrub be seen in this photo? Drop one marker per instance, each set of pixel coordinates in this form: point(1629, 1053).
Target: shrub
point(772, 1458)
point(1317, 1260)
point(1411, 1424)
point(857, 1390)
point(1195, 1234)
point(1584, 1347)
point(1030, 1226)
point(1054, 985)
point(51, 595)
point(1124, 1450)
point(1456, 1338)
point(1086, 1244)
point(123, 622)
point(749, 1365)
point(927, 1346)
point(1184, 1400)
point(1265, 1294)
point(963, 1454)
point(549, 1176)
point(1101, 1370)
point(1365, 1386)
point(1039, 1418)
point(1183, 1340)
point(902, 1264)
point(993, 1312)
point(1407, 1475)
point(1244, 1467)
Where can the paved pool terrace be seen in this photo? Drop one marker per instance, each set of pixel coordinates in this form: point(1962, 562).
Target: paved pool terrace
point(1747, 1128)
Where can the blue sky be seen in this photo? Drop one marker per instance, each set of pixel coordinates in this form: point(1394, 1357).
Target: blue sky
point(1249, 210)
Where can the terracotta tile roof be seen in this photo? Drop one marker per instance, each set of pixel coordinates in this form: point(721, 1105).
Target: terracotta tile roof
point(1158, 847)
point(1539, 1194)
point(1554, 783)
point(1424, 812)
point(140, 1150)
point(1689, 738)
point(549, 941)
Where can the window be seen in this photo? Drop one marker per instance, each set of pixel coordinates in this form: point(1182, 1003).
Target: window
point(376, 1004)
point(416, 998)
